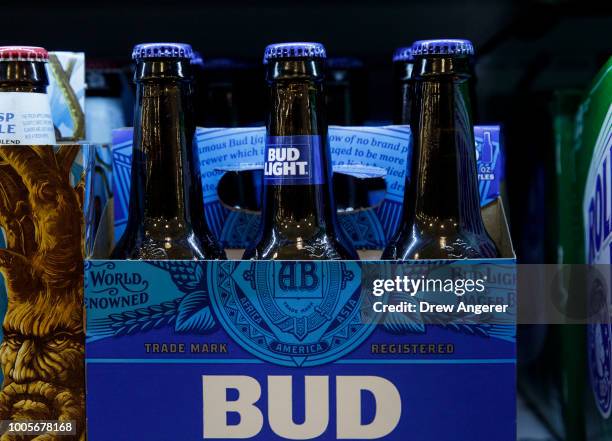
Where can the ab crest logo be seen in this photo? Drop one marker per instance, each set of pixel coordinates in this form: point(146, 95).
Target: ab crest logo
point(599, 347)
point(290, 313)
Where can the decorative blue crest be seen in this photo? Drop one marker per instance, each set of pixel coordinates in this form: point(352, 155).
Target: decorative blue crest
point(290, 313)
point(599, 348)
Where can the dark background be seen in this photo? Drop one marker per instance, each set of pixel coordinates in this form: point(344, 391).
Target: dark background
point(526, 50)
point(522, 45)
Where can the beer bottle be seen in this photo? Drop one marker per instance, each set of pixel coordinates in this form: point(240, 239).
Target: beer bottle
point(197, 70)
point(166, 215)
point(346, 86)
point(227, 97)
point(441, 211)
point(345, 82)
point(403, 63)
point(104, 99)
point(299, 214)
point(229, 94)
point(25, 113)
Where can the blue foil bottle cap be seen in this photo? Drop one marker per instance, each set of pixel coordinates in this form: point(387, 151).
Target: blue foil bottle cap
point(403, 54)
point(446, 46)
point(162, 50)
point(294, 50)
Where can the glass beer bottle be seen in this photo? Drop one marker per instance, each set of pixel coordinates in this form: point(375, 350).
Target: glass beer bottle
point(403, 63)
point(346, 96)
point(166, 216)
point(346, 91)
point(299, 220)
point(25, 113)
point(441, 211)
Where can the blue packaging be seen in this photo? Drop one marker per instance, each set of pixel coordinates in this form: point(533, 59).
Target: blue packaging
point(279, 350)
point(353, 150)
point(218, 350)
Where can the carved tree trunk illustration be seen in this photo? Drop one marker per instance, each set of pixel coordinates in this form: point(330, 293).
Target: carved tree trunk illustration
point(41, 355)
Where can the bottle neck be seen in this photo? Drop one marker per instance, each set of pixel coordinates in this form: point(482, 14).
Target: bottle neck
point(402, 73)
point(443, 194)
point(23, 76)
point(163, 163)
point(104, 83)
point(24, 103)
point(296, 128)
point(296, 98)
point(345, 97)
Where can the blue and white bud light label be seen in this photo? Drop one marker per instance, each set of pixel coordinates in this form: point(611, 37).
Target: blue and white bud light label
point(293, 160)
point(25, 118)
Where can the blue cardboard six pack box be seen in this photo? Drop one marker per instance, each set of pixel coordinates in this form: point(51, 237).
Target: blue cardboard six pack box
point(218, 350)
point(364, 152)
point(281, 350)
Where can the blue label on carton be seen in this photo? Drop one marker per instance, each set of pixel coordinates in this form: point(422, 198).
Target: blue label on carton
point(351, 149)
point(293, 160)
point(279, 350)
point(489, 161)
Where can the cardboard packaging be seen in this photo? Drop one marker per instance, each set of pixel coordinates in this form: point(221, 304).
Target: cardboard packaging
point(44, 192)
point(271, 350)
point(66, 71)
point(366, 153)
